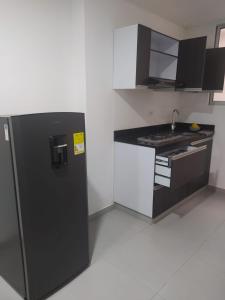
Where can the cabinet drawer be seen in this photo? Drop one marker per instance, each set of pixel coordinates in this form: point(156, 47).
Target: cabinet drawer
point(164, 171)
point(162, 180)
point(164, 199)
point(182, 167)
point(186, 168)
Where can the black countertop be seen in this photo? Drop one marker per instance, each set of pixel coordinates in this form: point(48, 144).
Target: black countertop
point(130, 136)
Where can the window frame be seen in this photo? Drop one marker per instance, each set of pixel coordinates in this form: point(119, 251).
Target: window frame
point(216, 44)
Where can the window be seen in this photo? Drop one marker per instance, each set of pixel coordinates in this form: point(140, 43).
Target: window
point(219, 98)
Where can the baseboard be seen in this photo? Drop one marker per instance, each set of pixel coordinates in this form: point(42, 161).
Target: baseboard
point(101, 212)
point(179, 204)
point(148, 219)
point(164, 214)
point(215, 188)
point(133, 213)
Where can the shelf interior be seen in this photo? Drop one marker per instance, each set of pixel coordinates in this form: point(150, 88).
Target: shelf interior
point(163, 66)
point(163, 43)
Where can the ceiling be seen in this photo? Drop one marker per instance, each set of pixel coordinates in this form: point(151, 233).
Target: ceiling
point(186, 13)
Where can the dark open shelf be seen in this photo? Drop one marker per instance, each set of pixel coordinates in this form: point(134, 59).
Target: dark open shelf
point(164, 53)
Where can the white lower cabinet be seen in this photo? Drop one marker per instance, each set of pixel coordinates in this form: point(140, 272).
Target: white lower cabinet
point(134, 177)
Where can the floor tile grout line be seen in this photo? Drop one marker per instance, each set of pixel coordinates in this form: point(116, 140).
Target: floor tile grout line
point(145, 225)
point(179, 268)
point(192, 255)
point(131, 237)
point(157, 294)
point(206, 262)
point(148, 225)
point(125, 274)
point(136, 233)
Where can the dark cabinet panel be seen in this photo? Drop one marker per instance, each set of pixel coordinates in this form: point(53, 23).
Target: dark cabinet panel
point(187, 168)
point(207, 162)
point(191, 62)
point(165, 198)
point(143, 55)
point(214, 69)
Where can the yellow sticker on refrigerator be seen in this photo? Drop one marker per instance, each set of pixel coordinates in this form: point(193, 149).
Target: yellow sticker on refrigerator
point(79, 145)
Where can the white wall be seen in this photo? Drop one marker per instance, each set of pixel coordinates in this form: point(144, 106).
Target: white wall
point(195, 108)
point(41, 56)
point(107, 109)
point(58, 56)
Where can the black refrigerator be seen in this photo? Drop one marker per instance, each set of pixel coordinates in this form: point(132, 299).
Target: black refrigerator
point(43, 202)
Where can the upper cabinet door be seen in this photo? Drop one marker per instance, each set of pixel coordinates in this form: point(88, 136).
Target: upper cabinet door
point(143, 55)
point(191, 63)
point(214, 69)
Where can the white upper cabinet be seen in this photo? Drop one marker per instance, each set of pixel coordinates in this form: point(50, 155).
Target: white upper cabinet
point(142, 56)
point(146, 58)
point(125, 57)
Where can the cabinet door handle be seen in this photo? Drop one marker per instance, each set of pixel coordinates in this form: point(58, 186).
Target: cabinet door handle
point(188, 153)
point(201, 141)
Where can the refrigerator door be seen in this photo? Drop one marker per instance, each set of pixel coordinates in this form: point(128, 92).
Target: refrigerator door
point(11, 261)
point(52, 190)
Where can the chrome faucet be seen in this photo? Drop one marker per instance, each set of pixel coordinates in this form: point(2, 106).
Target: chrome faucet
point(173, 124)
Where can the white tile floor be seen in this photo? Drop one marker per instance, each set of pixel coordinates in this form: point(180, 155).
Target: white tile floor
point(180, 258)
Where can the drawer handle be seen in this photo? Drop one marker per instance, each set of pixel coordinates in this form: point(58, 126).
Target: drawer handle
point(162, 163)
point(189, 153)
point(201, 141)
